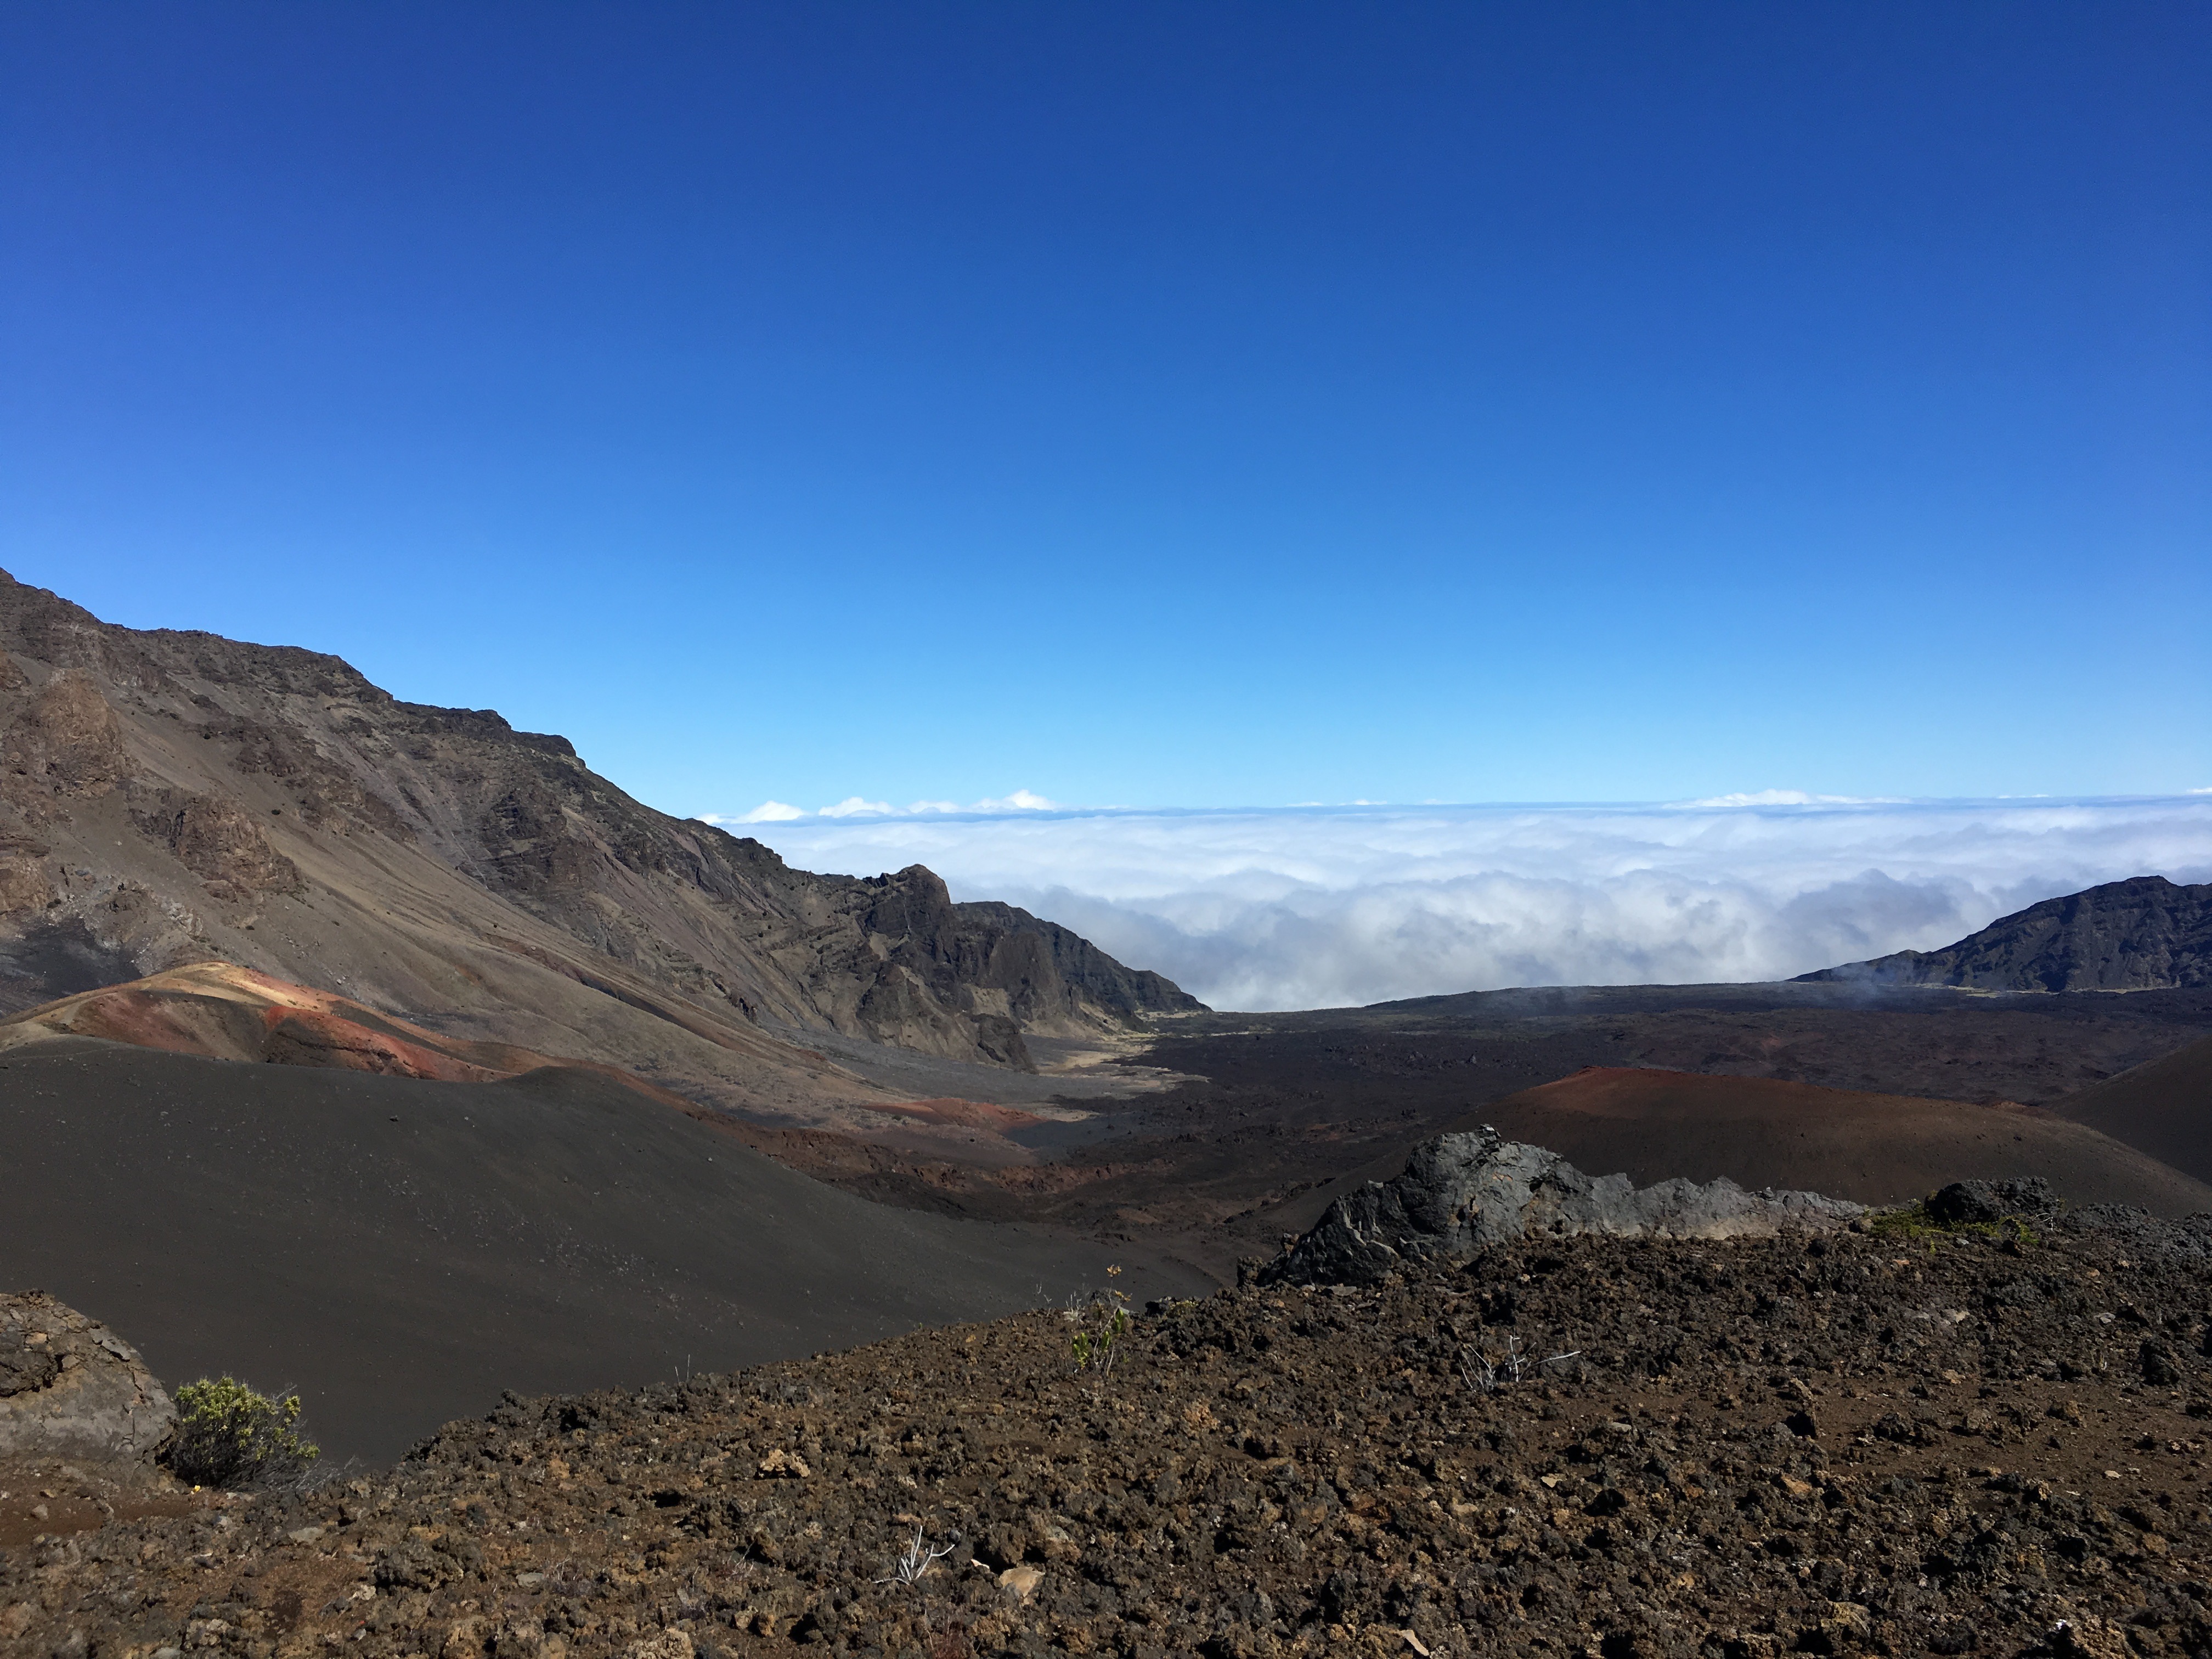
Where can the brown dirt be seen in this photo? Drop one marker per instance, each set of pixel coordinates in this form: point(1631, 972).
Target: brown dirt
point(965, 1114)
point(1857, 1444)
point(77, 1498)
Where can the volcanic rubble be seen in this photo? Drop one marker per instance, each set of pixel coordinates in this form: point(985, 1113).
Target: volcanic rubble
point(1866, 1441)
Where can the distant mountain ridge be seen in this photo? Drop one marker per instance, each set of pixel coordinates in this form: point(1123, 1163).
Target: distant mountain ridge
point(170, 796)
point(2144, 933)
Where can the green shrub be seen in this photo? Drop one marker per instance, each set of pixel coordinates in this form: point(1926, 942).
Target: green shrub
point(1102, 1321)
point(1914, 1224)
point(228, 1436)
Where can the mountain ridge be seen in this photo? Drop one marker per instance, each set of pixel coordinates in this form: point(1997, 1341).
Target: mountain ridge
point(2143, 933)
point(169, 796)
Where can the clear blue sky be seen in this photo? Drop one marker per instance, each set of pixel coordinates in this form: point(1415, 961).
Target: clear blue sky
point(1187, 404)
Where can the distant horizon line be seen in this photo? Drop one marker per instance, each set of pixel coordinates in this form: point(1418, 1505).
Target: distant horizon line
point(1022, 803)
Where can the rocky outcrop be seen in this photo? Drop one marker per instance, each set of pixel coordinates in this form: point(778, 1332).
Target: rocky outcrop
point(71, 1387)
point(66, 742)
point(25, 886)
point(216, 838)
point(2142, 935)
point(1055, 978)
point(418, 837)
point(1462, 1195)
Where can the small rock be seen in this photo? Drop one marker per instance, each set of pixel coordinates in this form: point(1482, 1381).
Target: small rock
point(2161, 1367)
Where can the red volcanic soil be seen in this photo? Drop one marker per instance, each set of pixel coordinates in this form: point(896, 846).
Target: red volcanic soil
point(963, 1114)
point(2165, 1107)
point(219, 1011)
point(1876, 1149)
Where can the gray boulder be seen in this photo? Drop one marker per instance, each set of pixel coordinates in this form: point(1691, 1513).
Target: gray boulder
point(71, 1387)
point(1462, 1194)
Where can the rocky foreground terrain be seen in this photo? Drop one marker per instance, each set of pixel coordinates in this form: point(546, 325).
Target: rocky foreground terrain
point(1889, 1437)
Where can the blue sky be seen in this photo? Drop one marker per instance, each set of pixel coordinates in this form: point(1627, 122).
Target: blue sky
point(1179, 404)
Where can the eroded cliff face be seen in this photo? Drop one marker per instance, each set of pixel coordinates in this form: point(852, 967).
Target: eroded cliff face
point(171, 797)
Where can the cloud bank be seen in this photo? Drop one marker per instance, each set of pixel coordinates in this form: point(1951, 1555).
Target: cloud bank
point(859, 806)
point(1322, 907)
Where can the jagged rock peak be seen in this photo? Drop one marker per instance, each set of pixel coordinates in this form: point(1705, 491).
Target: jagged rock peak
point(1461, 1195)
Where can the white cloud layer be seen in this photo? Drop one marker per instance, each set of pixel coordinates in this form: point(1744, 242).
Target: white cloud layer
point(1322, 907)
point(856, 807)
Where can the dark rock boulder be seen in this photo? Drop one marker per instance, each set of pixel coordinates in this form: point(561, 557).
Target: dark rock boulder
point(1980, 1203)
point(1461, 1195)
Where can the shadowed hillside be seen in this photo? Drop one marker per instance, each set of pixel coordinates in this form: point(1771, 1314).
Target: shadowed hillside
point(2137, 935)
point(2163, 1106)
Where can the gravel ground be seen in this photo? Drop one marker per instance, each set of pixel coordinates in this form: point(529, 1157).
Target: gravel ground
point(1861, 1443)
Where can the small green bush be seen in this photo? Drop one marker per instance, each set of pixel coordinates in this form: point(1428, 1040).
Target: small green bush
point(1913, 1224)
point(1102, 1321)
point(228, 1436)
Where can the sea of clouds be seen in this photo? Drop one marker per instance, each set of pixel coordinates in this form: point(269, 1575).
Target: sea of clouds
point(1329, 906)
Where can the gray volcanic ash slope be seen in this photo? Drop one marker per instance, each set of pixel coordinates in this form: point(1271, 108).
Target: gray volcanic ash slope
point(2163, 1106)
point(168, 797)
point(401, 1250)
point(2142, 934)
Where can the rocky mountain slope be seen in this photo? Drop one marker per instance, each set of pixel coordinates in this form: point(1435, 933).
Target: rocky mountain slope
point(1947, 1441)
point(171, 797)
point(2142, 935)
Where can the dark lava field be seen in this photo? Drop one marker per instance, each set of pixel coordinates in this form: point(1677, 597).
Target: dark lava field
point(1276, 1114)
